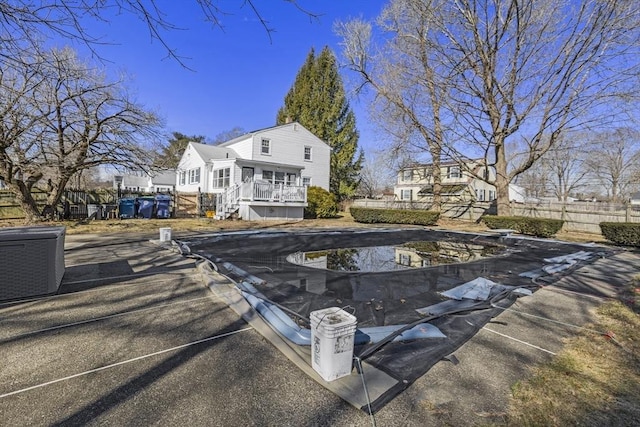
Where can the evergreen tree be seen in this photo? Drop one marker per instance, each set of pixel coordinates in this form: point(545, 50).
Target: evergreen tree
point(172, 152)
point(317, 101)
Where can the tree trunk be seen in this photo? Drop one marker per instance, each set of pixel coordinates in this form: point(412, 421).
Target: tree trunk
point(502, 181)
point(437, 186)
point(27, 203)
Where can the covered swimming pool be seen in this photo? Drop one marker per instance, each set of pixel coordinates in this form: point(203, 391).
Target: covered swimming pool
point(417, 294)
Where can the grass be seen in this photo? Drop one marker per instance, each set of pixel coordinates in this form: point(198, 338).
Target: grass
point(593, 381)
point(183, 224)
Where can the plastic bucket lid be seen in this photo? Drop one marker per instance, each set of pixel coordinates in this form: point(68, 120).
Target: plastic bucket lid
point(333, 321)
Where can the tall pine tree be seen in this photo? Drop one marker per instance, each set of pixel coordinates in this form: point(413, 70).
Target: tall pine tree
point(318, 102)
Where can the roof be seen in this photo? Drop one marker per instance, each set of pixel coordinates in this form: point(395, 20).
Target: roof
point(166, 177)
point(207, 151)
point(253, 133)
point(241, 162)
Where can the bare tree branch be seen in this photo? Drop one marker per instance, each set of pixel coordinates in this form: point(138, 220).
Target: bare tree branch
point(500, 70)
point(58, 117)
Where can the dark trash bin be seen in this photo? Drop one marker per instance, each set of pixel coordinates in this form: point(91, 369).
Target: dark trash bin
point(163, 206)
point(127, 208)
point(145, 207)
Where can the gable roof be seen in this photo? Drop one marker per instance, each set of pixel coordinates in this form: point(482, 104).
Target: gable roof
point(258, 131)
point(164, 177)
point(207, 152)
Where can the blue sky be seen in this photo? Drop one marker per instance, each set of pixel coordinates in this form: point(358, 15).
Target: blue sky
point(240, 76)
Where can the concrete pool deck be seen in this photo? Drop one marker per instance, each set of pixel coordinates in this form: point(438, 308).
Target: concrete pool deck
point(136, 338)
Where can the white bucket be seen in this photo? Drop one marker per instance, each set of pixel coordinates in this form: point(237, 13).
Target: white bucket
point(165, 234)
point(332, 334)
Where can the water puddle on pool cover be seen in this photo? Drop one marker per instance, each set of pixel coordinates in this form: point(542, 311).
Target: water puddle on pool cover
point(399, 257)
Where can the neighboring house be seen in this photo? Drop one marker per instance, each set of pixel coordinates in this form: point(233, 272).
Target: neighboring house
point(634, 199)
point(415, 183)
point(261, 175)
point(154, 182)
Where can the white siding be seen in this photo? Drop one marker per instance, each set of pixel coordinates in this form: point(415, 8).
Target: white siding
point(191, 160)
point(222, 164)
point(244, 148)
point(287, 147)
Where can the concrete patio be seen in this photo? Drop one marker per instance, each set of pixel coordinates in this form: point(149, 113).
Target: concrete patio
point(135, 337)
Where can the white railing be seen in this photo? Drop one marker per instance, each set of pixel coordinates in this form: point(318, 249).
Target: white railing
point(267, 192)
point(227, 199)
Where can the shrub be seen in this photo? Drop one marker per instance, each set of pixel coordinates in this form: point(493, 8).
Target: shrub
point(539, 227)
point(394, 216)
point(320, 203)
point(621, 233)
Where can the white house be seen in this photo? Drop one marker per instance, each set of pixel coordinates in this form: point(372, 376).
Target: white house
point(261, 175)
point(153, 182)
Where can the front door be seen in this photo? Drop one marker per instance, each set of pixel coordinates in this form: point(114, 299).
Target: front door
point(247, 174)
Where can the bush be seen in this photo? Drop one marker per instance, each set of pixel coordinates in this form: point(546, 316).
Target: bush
point(621, 233)
point(539, 227)
point(320, 203)
point(394, 216)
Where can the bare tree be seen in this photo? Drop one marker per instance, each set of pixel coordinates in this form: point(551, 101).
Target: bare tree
point(405, 74)
point(59, 117)
point(514, 69)
point(565, 162)
point(561, 171)
point(23, 24)
point(376, 175)
point(228, 135)
point(615, 162)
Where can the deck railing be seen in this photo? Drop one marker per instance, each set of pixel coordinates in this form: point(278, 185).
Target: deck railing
point(252, 191)
point(267, 192)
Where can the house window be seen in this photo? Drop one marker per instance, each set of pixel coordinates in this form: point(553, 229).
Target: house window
point(306, 181)
point(221, 178)
point(265, 147)
point(183, 177)
point(194, 176)
point(406, 175)
point(453, 172)
point(274, 177)
point(492, 195)
point(307, 153)
point(404, 259)
point(480, 194)
point(405, 195)
point(291, 179)
point(279, 178)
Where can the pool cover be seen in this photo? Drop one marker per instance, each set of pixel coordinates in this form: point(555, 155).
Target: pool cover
point(458, 298)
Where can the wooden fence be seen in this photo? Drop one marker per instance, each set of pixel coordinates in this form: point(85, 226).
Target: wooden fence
point(578, 216)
